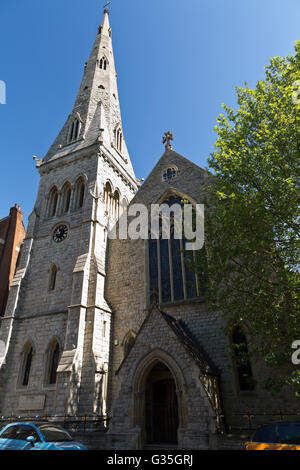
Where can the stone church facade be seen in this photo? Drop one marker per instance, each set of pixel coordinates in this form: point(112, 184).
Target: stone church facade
point(83, 333)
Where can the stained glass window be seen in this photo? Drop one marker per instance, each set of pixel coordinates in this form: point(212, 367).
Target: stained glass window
point(177, 269)
point(172, 275)
point(165, 271)
point(153, 267)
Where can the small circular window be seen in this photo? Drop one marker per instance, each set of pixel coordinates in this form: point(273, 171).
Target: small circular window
point(169, 173)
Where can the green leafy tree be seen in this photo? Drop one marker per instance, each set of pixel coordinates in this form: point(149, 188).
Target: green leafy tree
point(252, 220)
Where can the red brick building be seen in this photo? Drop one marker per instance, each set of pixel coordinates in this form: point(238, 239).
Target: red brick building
point(12, 234)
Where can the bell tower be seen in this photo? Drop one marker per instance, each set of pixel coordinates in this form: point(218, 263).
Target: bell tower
point(56, 328)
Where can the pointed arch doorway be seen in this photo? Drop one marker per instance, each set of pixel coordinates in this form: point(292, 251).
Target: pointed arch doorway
point(161, 406)
point(158, 400)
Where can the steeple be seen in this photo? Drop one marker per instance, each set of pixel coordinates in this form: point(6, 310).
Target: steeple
point(86, 179)
point(96, 115)
point(105, 28)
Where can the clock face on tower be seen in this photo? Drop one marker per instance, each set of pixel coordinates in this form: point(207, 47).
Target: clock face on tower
point(60, 233)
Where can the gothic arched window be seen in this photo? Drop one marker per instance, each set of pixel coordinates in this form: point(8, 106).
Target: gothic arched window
point(172, 275)
point(74, 130)
point(66, 198)
point(53, 359)
point(118, 137)
point(108, 198)
point(53, 198)
point(52, 279)
point(79, 193)
point(116, 205)
point(242, 360)
point(103, 63)
point(26, 364)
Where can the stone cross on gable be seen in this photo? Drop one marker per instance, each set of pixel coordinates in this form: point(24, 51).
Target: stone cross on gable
point(167, 140)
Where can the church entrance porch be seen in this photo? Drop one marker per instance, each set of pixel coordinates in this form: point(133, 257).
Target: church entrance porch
point(161, 406)
point(158, 401)
point(152, 408)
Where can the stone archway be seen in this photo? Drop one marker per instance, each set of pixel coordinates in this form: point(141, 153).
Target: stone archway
point(158, 392)
point(161, 406)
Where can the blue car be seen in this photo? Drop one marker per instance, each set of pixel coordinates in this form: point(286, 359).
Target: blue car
point(37, 436)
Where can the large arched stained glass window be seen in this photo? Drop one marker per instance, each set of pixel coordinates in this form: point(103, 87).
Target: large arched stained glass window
point(172, 275)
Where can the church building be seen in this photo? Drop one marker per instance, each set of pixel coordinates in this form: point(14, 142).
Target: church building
point(118, 328)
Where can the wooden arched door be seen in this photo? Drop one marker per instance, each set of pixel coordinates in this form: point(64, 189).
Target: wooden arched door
point(161, 406)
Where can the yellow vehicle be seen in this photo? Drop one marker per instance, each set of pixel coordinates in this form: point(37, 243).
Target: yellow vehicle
point(276, 436)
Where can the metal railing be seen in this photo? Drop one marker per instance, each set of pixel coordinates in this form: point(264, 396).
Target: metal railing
point(78, 423)
point(249, 421)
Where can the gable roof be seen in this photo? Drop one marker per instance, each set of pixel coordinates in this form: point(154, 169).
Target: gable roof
point(191, 345)
point(190, 177)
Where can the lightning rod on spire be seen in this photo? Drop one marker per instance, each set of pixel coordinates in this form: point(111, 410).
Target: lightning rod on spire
point(106, 5)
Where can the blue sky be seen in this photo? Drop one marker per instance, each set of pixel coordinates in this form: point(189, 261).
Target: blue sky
point(177, 61)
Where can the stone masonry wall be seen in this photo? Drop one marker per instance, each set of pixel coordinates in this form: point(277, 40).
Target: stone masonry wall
point(127, 293)
point(43, 314)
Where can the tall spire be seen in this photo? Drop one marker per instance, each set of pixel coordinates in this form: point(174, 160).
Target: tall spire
point(96, 113)
point(105, 28)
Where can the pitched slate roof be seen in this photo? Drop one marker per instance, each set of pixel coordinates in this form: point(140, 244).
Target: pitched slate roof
point(191, 345)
